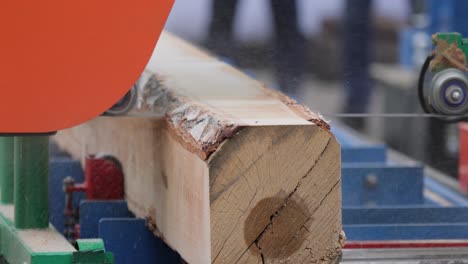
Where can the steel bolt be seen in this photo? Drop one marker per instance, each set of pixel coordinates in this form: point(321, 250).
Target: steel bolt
point(371, 181)
point(454, 94)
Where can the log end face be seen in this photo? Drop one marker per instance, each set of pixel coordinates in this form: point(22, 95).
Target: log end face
point(275, 195)
point(294, 233)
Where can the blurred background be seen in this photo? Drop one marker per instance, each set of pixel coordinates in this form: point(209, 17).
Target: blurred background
point(337, 56)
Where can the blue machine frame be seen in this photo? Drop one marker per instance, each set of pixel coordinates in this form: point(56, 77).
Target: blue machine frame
point(125, 236)
point(382, 200)
point(387, 200)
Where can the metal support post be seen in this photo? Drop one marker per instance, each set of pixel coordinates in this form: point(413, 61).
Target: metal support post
point(6, 169)
point(31, 181)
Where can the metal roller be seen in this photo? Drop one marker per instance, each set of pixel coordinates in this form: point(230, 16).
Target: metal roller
point(124, 105)
point(447, 93)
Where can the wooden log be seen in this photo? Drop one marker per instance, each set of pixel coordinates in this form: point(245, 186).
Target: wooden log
point(224, 169)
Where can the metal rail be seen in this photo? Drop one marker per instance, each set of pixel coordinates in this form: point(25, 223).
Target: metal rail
point(406, 256)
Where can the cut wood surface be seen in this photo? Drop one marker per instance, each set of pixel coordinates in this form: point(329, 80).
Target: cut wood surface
point(224, 169)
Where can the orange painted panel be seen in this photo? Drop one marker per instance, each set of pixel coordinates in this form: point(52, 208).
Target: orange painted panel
point(64, 62)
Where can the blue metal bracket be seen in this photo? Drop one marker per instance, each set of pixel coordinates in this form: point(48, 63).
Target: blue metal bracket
point(389, 232)
point(91, 212)
point(404, 215)
point(128, 238)
point(364, 154)
point(376, 185)
point(132, 242)
point(410, 223)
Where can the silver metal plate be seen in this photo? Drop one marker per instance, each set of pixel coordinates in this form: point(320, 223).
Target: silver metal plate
point(406, 256)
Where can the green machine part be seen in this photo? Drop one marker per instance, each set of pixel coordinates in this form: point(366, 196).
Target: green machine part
point(92, 251)
point(31, 184)
point(6, 170)
point(457, 38)
point(24, 209)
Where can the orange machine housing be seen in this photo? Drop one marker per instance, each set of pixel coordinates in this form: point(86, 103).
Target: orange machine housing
point(65, 62)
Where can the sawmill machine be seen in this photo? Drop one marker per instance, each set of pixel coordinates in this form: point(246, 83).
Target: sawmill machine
point(65, 62)
point(62, 63)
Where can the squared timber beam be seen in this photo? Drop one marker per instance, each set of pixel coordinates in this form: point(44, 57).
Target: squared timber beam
point(224, 169)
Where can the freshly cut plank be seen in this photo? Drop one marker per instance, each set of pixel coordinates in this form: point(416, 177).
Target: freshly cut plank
point(223, 169)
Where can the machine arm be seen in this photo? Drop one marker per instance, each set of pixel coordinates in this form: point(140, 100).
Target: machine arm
point(445, 93)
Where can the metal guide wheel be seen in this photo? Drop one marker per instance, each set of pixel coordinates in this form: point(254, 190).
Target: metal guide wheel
point(449, 92)
point(124, 105)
